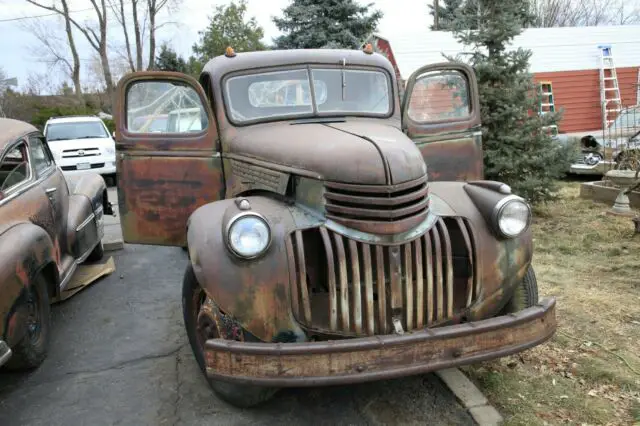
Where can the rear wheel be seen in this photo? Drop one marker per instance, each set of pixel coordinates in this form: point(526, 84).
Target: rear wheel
point(193, 298)
point(32, 350)
point(525, 294)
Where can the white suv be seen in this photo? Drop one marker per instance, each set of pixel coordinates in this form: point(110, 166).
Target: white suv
point(80, 144)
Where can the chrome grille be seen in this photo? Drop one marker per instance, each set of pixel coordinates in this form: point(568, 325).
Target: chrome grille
point(347, 287)
point(380, 206)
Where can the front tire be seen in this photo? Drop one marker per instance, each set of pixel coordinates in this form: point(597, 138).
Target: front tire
point(525, 295)
point(193, 297)
point(32, 350)
point(97, 253)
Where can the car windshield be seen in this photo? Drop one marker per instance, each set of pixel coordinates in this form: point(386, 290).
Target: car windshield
point(75, 130)
point(286, 94)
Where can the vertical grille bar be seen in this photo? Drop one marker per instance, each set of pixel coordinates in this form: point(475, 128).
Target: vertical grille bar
point(419, 285)
point(357, 286)
point(302, 279)
point(429, 269)
point(467, 242)
point(408, 283)
point(368, 288)
point(382, 290)
point(395, 268)
point(293, 278)
point(331, 278)
point(449, 262)
point(438, 273)
point(344, 290)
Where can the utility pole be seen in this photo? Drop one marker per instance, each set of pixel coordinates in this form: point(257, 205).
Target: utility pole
point(3, 85)
point(436, 13)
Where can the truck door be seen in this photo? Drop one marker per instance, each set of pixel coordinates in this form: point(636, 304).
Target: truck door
point(441, 114)
point(164, 172)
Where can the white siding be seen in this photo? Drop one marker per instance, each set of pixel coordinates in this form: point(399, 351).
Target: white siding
point(553, 49)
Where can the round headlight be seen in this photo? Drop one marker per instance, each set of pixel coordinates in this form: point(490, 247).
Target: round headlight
point(249, 235)
point(513, 217)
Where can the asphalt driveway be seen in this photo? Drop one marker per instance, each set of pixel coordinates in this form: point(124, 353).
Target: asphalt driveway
point(119, 356)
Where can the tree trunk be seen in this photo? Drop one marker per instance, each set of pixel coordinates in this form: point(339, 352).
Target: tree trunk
point(152, 34)
point(138, 35)
point(75, 72)
point(126, 36)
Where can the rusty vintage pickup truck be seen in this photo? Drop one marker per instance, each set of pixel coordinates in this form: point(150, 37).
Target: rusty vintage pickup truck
point(48, 226)
point(336, 233)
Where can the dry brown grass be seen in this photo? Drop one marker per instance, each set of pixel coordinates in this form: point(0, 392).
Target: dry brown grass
point(591, 263)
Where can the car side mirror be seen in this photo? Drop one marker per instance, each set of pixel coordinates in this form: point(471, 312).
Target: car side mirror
point(113, 135)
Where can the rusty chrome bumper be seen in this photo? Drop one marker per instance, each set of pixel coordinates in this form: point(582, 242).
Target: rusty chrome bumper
point(379, 357)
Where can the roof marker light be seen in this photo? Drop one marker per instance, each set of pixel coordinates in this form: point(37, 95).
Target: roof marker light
point(368, 49)
point(229, 52)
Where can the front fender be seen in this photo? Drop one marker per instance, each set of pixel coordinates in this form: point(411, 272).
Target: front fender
point(503, 261)
point(254, 292)
point(26, 249)
point(91, 185)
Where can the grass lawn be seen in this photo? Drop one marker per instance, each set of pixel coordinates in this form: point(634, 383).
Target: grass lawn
point(589, 372)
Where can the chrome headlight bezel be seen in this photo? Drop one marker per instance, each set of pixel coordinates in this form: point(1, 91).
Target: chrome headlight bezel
point(233, 221)
point(499, 209)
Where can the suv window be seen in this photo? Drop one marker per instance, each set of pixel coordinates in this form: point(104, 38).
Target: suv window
point(14, 167)
point(40, 157)
point(76, 130)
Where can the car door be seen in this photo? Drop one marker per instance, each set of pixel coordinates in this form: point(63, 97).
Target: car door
point(52, 182)
point(163, 174)
point(441, 114)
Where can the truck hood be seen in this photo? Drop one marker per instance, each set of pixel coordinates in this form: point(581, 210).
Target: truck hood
point(363, 152)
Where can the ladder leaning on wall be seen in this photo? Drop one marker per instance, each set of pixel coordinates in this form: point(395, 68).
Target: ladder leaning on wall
point(610, 99)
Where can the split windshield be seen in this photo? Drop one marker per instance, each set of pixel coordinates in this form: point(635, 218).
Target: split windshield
point(75, 130)
point(286, 94)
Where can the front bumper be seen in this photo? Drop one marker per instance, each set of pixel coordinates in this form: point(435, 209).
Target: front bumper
point(5, 352)
point(598, 169)
point(379, 357)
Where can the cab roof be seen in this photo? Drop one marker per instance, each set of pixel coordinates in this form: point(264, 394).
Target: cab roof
point(73, 119)
point(222, 64)
point(11, 130)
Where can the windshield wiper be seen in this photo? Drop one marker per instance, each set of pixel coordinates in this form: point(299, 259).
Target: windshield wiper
point(90, 137)
point(57, 139)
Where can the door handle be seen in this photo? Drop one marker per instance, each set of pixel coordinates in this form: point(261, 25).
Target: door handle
point(50, 190)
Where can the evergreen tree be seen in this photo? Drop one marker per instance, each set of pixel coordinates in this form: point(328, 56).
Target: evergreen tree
point(168, 60)
point(447, 11)
point(228, 27)
point(517, 150)
point(309, 24)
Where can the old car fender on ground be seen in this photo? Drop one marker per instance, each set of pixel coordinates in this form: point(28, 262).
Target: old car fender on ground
point(27, 250)
point(254, 292)
point(502, 261)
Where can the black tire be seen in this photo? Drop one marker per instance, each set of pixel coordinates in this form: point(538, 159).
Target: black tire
point(242, 396)
point(525, 295)
point(32, 350)
point(97, 253)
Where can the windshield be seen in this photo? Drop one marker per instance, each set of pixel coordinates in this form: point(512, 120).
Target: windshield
point(270, 95)
point(628, 118)
point(75, 130)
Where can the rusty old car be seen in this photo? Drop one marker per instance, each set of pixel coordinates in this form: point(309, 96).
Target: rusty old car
point(336, 233)
point(48, 226)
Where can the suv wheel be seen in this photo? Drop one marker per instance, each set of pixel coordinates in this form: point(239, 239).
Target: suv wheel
point(242, 396)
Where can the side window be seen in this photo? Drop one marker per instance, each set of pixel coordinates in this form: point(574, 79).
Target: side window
point(14, 168)
point(164, 107)
point(439, 96)
point(40, 157)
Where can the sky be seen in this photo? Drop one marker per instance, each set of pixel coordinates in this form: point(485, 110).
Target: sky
point(20, 50)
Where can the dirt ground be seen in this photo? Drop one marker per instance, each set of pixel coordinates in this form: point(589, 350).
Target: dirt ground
point(589, 373)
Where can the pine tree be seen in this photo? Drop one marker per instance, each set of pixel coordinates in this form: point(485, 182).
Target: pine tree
point(168, 60)
point(309, 24)
point(447, 11)
point(517, 150)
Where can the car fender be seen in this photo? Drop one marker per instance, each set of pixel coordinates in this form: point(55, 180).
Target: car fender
point(503, 262)
point(26, 250)
point(256, 292)
point(91, 185)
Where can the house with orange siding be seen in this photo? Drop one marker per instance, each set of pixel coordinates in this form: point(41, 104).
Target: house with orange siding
point(567, 57)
